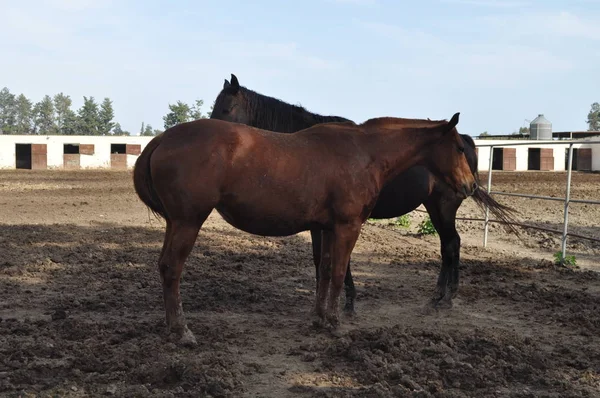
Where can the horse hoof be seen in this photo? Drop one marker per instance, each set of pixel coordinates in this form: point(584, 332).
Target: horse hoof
point(444, 303)
point(318, 322)
point(187, 338)
point(334, 321)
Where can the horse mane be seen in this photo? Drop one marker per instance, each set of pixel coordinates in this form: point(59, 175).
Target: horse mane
point(276, 115)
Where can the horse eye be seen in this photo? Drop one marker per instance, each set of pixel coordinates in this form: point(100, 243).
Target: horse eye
point(461, 149)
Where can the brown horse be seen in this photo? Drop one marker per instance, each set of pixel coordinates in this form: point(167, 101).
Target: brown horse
point(327, 177)
point(236, 103)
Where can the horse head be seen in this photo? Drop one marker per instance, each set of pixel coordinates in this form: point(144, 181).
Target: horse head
point(231, 104)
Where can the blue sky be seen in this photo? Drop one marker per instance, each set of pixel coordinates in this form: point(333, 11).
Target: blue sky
point(498, 62)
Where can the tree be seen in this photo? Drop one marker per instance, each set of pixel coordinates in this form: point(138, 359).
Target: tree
point(142, 129)
point(524, 130)
point(196, 110)
point(7, 111)
point(44, 116)
point(148, 130)
point(117, 130)
point(484, 134)
point(88, 120)
point(65, 117)
point(593, 119)
point(23, 117)
point(179, 113)
point(105, 117)
point(157, 131)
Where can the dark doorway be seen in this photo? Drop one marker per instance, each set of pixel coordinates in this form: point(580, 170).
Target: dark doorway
point(118, 148)
point(23, 156)
point(533, 159)
point(498, 160)
point(71, 149)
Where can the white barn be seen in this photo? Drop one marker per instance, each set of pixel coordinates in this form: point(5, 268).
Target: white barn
point(69, 151)
point(120, 152)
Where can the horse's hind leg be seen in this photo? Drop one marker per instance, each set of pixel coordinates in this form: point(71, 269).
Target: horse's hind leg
point(316, 238)
point(179, 242)
point(344, 239)
point(442, 212)
point(350, 293)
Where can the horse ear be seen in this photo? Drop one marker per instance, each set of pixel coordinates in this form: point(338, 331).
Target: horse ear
point(453, 122)
point(226, 84)
point(234, 82)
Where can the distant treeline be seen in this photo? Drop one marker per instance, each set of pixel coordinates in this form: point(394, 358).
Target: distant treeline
point(54, 116)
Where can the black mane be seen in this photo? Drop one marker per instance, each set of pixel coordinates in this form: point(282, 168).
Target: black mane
point(273, 114)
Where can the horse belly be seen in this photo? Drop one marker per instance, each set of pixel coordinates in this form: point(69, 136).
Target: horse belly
point(265, 222)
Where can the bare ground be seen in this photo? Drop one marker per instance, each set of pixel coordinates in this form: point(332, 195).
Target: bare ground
point(81, 303)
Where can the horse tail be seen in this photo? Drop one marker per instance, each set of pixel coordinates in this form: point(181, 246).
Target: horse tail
point(142, 179)
point(504, 214)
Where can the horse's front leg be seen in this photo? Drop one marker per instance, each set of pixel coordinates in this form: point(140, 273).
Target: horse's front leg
point(443, 216)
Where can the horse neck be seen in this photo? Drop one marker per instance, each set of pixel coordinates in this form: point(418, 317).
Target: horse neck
point(395, 151)
point(279, 116)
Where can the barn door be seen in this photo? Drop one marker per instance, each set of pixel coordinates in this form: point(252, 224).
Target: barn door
point(584, 159)
point(547, 159)
point(39, 157)
point(71, 161)
point(509, 161)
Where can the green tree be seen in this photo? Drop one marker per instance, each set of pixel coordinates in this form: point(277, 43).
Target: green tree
point(64, 115)
point(157, 131)
point(70, 123)
point(88, 121)
point(24, 114)
point(146, 130)
point(593, 119)
point(179, 113)
point(484, 134)
point(106, 116)
point(524, 130)
point(7, 111)
point(117, 130)
point(196, 111)
point(44, 116)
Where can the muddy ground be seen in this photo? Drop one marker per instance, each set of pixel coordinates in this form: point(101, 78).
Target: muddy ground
point(82, 315)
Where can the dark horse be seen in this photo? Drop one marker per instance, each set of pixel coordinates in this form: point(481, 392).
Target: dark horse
point(401, 195)
point(272, 184)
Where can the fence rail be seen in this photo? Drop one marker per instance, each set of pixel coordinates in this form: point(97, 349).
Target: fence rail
point(567, 199)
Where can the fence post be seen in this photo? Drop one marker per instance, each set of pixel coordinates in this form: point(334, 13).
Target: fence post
point(567, 200)
point(489, 188)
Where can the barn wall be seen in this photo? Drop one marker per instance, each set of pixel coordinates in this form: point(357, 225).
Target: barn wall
point(55, 149)
point(522, 153)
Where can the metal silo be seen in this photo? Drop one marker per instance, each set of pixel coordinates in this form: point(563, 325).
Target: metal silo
point(540, 129)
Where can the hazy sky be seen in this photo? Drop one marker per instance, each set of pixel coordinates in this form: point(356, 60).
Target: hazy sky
point(497, 62)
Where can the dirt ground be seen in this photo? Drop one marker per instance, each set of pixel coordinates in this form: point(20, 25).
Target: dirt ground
point(81, 310)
